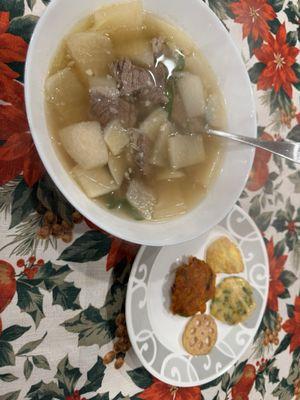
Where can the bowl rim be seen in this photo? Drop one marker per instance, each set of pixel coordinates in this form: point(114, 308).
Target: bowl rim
point(132, 235)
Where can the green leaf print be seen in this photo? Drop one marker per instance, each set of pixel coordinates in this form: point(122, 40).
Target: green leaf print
point(8, 377)
point(51, 198)
point(23, 203)
point(67, 296)
point(40, 361)
point(13, 332)
point(260, 385)
point(276, 4)
point(91, 246)
point(31, 3)
point(23, 26)
point(50, 277)
point(284, 391)
point(10, 395)
point(255, 71)
point(273, 375)
point(113, 301)
point(28, 347)
point(94, 377)
point(28, 367)
point(7, 356)
point(288, 278)
point(253, 44)
point(67, 376)
point(284, 344)
point(91, 326)
point(141, 377)
point(45, 391)
point(14, 7)
point(263, 220)
point(30, 300)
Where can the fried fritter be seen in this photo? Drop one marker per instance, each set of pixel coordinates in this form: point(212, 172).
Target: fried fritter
point(224, 256)
point(194, 285)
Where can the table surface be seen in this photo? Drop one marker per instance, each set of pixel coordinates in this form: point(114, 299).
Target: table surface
point(58, 310)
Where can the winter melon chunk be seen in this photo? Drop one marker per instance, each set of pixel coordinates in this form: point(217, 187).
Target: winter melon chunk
point(118, 166)
point(84, 142)
point(116, 137)
point(95, 182)
point(186, 150)
point(67, 96)
point(91, 51)
point(139, 51)
point(141, 198)
point(192, 93)
point(160, 150)
point(128, 14)
point(151, 125)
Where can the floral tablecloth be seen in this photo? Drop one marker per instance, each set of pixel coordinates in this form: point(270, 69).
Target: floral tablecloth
point(63, 281)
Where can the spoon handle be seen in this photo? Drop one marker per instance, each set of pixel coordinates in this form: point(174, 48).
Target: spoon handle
point(288, 150)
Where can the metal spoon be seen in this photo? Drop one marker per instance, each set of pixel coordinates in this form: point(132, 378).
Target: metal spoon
point(288, 150)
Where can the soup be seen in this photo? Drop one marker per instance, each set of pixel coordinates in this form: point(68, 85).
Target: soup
point(128, 100)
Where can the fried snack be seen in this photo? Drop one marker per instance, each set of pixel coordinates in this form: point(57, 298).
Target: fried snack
point(224, 256)
point(200, 335)
point(194, 285)
point(233, 302)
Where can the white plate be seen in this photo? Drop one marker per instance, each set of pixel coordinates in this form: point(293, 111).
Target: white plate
point(156, 334)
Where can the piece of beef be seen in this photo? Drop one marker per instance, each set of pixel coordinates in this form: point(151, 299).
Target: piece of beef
point(141, 151)
point(156, 93)
point(130, 78)
point(147, 85)
point(108, 105)
point(178, 114)
point(104, 106)
point(127, 113)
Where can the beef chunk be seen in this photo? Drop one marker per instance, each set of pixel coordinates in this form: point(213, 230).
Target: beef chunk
point(179, 115)
point(147, 85)
point(130, 78)
point(127, 113)
point(155, 93)
point(106, 106)
point(141, 147)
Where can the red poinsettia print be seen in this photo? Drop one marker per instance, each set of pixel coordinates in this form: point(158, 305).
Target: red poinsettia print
point(18, 154)
point(120, 250)
point(292, 326)
point(254, 15)
point(242, 388)
point(75, 396)
point(278, 58)
point(162, 391)
point(259, 174)
point(276, 287)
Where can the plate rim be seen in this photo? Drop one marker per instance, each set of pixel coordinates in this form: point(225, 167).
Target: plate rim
point(236, 359)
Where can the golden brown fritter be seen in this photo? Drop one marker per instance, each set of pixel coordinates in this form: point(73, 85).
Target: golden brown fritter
point(194, 285)
point(224, 256)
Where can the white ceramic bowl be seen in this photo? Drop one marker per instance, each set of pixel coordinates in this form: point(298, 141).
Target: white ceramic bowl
point(216, 44)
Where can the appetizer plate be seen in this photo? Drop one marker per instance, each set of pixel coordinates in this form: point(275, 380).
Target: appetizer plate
point(156, 334)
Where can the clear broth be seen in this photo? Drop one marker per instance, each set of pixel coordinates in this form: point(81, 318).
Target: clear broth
point(198, 178)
